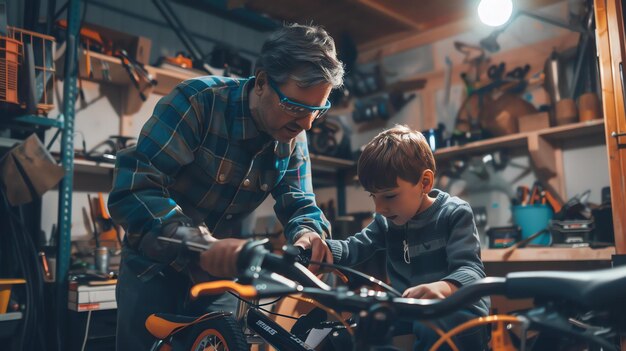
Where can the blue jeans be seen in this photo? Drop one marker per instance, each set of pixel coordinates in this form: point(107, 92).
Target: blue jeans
point(474, 339)
point(142, 291)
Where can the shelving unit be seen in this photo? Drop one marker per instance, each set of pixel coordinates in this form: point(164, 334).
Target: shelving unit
point(94, 176)
point(551, 254)
point(332, 164)
point(544, 148)
point(102, 68)
point(521, 140)
point(332, 171)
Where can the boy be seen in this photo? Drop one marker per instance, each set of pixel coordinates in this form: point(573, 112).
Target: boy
point(430, 238)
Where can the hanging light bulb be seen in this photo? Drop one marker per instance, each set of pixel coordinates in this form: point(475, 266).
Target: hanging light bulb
point(495, 13)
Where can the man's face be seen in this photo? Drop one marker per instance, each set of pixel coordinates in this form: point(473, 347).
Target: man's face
point(276, 120)
point(401, 203)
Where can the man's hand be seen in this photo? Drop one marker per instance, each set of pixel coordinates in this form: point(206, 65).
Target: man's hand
point(221, 259)
point(436, 290)
point(319, 250)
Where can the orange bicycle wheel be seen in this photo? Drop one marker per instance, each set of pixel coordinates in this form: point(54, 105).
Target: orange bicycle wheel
point(220, 334)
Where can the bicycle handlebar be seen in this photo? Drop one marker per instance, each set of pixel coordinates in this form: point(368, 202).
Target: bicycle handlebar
point(595, 290)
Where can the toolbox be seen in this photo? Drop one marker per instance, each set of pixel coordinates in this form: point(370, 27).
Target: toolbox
point(571, 232)
point(503, 237)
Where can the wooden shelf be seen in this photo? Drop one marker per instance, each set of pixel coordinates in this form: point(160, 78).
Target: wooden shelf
point(549, 254)
point(92, 167)
point(543, 146)
point(327, 163)
point(581, 129)
point(504, 142)
point(101, 68)
point(99, 63)
point(167, 79)
point(96, 176)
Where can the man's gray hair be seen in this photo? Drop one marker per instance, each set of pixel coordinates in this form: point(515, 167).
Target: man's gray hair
point(304, 53)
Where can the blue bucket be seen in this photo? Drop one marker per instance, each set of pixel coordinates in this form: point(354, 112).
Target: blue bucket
point(531, 219)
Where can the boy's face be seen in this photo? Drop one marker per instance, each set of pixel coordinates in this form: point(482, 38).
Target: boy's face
point(401, 203)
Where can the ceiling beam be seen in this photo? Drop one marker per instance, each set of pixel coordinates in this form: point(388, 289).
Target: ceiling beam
point(395, 43)
point(372, 4)
point(400, 42)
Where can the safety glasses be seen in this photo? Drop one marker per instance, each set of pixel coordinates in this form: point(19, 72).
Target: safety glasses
point(296, 109)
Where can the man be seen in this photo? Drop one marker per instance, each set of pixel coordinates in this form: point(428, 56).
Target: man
point(212, 151)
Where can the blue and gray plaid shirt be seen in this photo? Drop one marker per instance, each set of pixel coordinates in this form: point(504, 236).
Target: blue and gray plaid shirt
point(201, 159)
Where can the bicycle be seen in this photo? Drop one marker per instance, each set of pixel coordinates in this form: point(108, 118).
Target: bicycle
point(580, 305)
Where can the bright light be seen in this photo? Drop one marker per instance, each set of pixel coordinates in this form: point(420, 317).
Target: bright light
point(495, 13)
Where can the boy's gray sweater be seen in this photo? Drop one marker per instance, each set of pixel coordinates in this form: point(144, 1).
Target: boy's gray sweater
point(442, 244)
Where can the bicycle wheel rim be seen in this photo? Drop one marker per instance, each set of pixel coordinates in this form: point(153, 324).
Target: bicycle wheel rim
point(210, 340)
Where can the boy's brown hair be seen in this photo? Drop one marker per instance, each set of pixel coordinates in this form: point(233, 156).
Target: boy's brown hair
point(396, 152)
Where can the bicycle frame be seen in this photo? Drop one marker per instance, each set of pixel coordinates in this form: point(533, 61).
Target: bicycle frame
point(562, 297)
point(273, 333)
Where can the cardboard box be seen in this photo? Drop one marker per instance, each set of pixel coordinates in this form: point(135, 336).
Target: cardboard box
point(535, 121)
point(137, 47)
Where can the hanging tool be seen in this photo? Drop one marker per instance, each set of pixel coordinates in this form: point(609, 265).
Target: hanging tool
point(495, 72)
point(136, 73)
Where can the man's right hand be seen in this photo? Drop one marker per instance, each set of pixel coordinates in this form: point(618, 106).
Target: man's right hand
point(221, 259)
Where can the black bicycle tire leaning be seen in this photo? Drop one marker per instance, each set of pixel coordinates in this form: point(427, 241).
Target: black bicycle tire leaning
point(227, 326)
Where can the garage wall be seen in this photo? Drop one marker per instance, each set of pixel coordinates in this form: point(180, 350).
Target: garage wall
point(99, 116)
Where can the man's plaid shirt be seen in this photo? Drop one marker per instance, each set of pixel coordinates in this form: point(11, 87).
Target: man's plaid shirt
point(197, 161)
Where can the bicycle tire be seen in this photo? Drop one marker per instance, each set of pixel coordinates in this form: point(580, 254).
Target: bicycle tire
point(221, 333)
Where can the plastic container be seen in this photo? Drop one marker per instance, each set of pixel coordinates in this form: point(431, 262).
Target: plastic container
point(43, 59)
point(533, 218)
point(5, 292)
point(10, 59)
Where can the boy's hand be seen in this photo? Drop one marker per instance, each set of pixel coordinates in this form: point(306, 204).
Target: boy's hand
point(220, 260)
point(436, 290)
point(319, 250)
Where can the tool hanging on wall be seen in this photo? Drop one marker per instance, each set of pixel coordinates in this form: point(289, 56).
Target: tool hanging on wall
point(137, 73)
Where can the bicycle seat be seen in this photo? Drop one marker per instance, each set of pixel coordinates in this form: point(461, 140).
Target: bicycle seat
point(162, 325)
point(594, 289)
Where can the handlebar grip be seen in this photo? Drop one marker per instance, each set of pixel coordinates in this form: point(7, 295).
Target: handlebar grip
point(222, 286)
point(304, 257)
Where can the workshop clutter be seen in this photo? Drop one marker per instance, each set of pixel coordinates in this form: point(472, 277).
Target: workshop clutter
point(376, 97)
point(330, 136)
point(544, 220)
point(532, 211)
point(27, 71)
point(500, 100)
point(27, 171)
point(109, 41)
